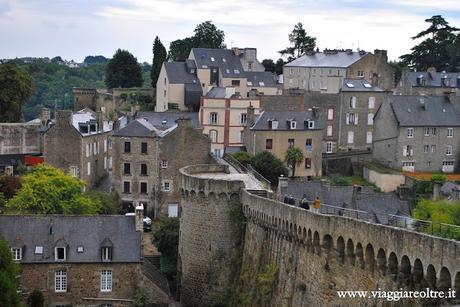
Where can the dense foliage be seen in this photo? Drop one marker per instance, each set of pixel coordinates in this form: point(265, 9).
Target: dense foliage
point(166, 239)
point(441, 211)
point(15, 88)
point(36, 299)
point(301, 43)
point(8, 272)
point(269, 166)
point(123, 71)
point(440, 47)
point(49, 190)
point(159, 56)
point(242, 156)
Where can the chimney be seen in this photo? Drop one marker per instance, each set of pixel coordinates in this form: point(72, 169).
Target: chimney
point(250, 116)
point(184, 122)
point(45, 116)
point(423, 102)
point(99, 120)
point(431, 71)
point(139, 216)
point(356, 195)
point(63, 117)
point(315, 112)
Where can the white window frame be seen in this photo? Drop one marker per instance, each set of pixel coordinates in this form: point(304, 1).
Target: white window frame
point(110, 162)
point(410, 133)
point(371, 102)
point(94, 148)
point(56, 253)
point(370, 119)
point(213, 118)
point(328, 147)
point(88, 168)
point(350, 137)
point(105, 162)
point(164, 163)
point(166, 186)
point(243, 119)
point(293, 124)
point(106, 254)
point(329, 130)
point(360, 74)
point(449, 150)
point(353, 102)
point(88, 150)
point(106, 280)
point(105, 145)
point(175, 212)
point(369, 137)
point(17, 253)
point(426, 148)
point(213, 136)
point(450, 132)
point(330, 114)
point(74, 171)
point(60, 281)
point(426, 131)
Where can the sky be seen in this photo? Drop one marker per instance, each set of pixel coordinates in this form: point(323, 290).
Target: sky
point(74, 29)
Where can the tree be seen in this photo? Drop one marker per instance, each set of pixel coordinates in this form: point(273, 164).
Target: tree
point(180, 49)
point(166, 239)
point(269, 65)
point(294, 156)
point(279, 66)
point(15, 88)
point(96, 59)
point(123, 71)
point(159, 56)
point(109, 203)
point(436, 50)
point(48, 190)
point(36, 299)
point(300, 41)
point(242, 156)
point(8, 272)
point(269, 166)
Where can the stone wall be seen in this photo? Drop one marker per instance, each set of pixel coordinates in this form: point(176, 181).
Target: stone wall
point(386, 182)
point(20, 138)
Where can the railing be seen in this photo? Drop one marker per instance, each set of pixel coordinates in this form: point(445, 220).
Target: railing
point(248, 169)
point(265, 182)
point(235, 163)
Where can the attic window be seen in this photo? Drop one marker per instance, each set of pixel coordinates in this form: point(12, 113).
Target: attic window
point(38, 250)
point(224, 60)
point(204, 66)
point(249, 83)
point(192, 70)
point(292, 124)
point(236, 71)
point(273, 124)
point(311, 124)
point(80, 249)
point(106, 253)
point(59, 254)
point(367, 85)
point(351, 85)
point(261, 83)
point(227, 71)
point(212, 59)
point(164, 121)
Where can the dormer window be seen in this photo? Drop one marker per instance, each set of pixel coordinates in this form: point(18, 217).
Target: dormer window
point(212, 59)
point(17, 253)
point(273, 124)
point(106, 253)
point(311, 124)
point(38, 250)
point(60, 254)
point(292, 124)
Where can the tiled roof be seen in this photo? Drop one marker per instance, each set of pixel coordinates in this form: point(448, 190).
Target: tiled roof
point(260, 79)
point(262, 122)
point(29, 231)
point(178, 74)
point(228, 63)
point(359, 85)
point(165, 120)
point(341, 59)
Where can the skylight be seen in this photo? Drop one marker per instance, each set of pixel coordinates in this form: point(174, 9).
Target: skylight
point(236, 71)
point(212, 59)
point(249, 83)
point(367, 85)
point(227, 71)
point(224, 60)
point(204, 66)
point(261, 83)
point(39, 250)
point(350, 85)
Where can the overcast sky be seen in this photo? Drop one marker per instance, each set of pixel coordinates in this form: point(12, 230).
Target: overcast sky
point(76, 28)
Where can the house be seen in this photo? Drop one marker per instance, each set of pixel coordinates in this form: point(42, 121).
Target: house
point(277, 131)
point(81, 260)
point(324, 71)
point(148, 154)
point(79, 144)
point(180, 84)
point(223, 116)
point(430, 82)
point(418, 134)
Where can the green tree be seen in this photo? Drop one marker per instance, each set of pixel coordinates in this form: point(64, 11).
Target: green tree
point(436, 49)
point(123, 71)
point(179, 49)
point(269, 166)
point(8, 272)
point(279, 66)
point(159, 56)
point(293, 156)
point(300, 41)
point(48, 190)
point(109, 203)
point(269, 65)
point(166, 239)
point(242, 156)
point(15, 88)
point(36, 299)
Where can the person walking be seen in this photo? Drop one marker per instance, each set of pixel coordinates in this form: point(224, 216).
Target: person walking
point(316, 205)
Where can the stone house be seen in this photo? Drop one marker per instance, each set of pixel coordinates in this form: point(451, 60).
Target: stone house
point(79, 144)
point(418, 134)
point(223, 116)
point(277, 131)
point(81, 260)
point(324, 71)
point(148, 154)
point(430, 82)
point(180, 84)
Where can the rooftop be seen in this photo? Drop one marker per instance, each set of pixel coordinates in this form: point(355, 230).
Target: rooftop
point(359, 85)
point(340, 59)
point(228, 63)
point(178, 74)
point(302, 119)
point(430, 79)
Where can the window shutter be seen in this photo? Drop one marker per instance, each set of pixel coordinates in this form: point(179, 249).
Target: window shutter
point(356, 118)
point(347, 120)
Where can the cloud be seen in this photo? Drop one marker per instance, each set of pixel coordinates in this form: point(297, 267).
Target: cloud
point(4, 7)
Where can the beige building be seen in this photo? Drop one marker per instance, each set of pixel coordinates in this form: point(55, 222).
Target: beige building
point(324, 71)
point(223, 116)
point(277, 131)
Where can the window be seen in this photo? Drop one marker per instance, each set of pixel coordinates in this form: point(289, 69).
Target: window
point(370, 119)
point(433, 148)
point(126, 187)
point(17, 253)
point(408, 151)
point(261, 83)
point(213, 136)
point(329, 130)
point(173, 210)
point(127, 168)
point(143, 169)
point(450, 132)
point(106, 280)
point(235, 82)
point(38, 250)
point(410, 132)
point(408, 166)
point(351, 119)
point(360, 73)
point(290, 143)
point(307, 163)
point(323, 85)
point(329, 147)
point(330, 114)
point(273, 124)
point(127, 147)
point(106, 253)
point(167, 186)
point(212, 59)
point(369, 137)
point(164, 163)
point(74, 171)
point(353, 102)
point(105, 145)
point(269, 144)
point(309, 144)
point(105, 162)
point(350, 138)
point(80, 249)
point(59, 254)
point(110, 144)
point(213, 119)
point(60, 281)
point(242, 136)
point(371, 102)
point(110, 162)
point(426, 131)
point(292, 124)
point(88, 166)
point(433, 131)
point(243, 119)
point(311, 124)
point(95, 148)
point(143, 147)
point(426, 148)
point(448, 150)
point(88, 150)
point(143, 188)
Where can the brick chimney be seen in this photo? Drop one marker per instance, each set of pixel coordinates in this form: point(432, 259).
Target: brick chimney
point(63, 117)
point(139, 208)
point(250, 116)
point(184, 122)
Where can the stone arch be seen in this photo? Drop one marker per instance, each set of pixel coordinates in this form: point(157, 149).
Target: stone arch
point(445, 280)
point(192, 194)
point(304, 234)
point(393, 265)
point(328, 244)
point(309, 240)
point(360, 255)
point(350, 252)
point(299, 232)
point(405, 270)
point(381, 261)
point(417, 272)
point(201, 195)
point(370, 257)
point(290, 229)
point(340, 250)
point(316, 247)
point(431, 276)
point(212, 196)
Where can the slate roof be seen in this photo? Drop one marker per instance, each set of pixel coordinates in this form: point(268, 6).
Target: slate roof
point(228, 63)
point(439, 112)
point(29, 231)
point(255, 77)
point(434, 80)
point(137, 128)
point(340, 59)
point(86, 116)
point(283, 117)
point(177, 73)
point(448, 188)
point(359, 85)
point(218, 92)
point(165, 120)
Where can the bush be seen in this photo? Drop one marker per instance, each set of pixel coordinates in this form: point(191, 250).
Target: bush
point(243, 157)
point(166, 239)
point(36, 299)
point(340, 180)
point(269, 166)
point(438, 178)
